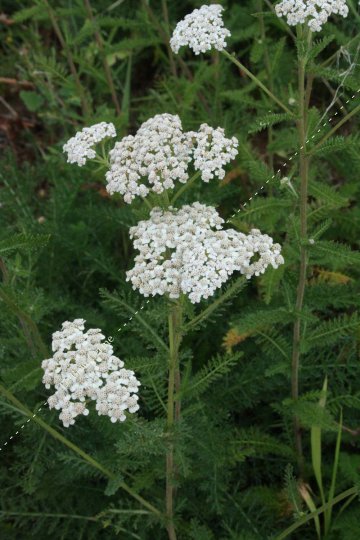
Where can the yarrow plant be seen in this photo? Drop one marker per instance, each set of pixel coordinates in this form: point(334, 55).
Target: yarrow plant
point(84, 368)
point(315, 13)
point(186, 251)
point(80, 148)
point(188, 264)
point(201, 30)
point(185, 254)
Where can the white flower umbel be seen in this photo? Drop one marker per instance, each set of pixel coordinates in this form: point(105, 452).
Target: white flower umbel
point(201, 30)
point(159, 155)
point(212, 151)
point(153, 159)
point(186, 251)
point(83, 367)
point(80, 147)
point(313, 12)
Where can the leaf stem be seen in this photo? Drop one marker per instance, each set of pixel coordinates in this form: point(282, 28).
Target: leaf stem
point(256, 81)
point(86, 457)
point(304, 174)
point(175, 336)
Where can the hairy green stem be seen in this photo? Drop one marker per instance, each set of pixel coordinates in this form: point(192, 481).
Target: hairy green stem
point(175, 335)
point(86, 457)
point(256, 81)
point(304, 97)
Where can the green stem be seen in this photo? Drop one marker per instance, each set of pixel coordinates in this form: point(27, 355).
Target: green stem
point(93, 462)
point(304, 173)
point(175, 323)
point(184, 187)
point(348, 493)
point(256, 81)
point(335, 129)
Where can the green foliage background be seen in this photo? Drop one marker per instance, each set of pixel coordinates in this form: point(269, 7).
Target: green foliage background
point(64, 249)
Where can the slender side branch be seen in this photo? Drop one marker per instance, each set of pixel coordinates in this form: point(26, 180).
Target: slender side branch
point(86, 457)
point(256, 81)
point(348, 493)
point(304, 98)
point(175, 335)
point(229, 293)
point(185, 187)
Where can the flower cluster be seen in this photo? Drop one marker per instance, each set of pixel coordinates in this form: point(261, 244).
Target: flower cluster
point(186, 251)
point(201, 30)
point(80, 147)
point(314, 12)
point(159, 154)
point(160, 151)
point(212, 150)
point(83, 367)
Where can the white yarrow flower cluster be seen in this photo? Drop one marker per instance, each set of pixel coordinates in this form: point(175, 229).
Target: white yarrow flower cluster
point(160, 151)
point(186, 251)
point(201, 30)
point(80, 147)
point(212, 150)
point(314, 12)
point(83, 367)
point(159, 155)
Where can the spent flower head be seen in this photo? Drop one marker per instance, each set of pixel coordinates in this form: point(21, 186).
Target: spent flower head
point(201, 30)
point(80, 147)
point(186, 251)
point(313, 12)
point(83, 367)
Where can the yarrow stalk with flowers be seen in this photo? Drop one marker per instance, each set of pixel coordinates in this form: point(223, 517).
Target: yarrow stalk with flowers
point(183, 253)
